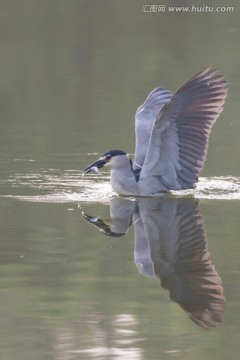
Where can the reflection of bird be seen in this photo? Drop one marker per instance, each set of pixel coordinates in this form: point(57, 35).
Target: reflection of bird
point(121, 217)
point(171, 243)
point(176, 236)
point(172, 133)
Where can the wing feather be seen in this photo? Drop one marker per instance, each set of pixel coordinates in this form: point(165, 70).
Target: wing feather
point(180, 134)
point(144, 119)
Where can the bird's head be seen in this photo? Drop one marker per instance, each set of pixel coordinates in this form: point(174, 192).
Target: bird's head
point(106, 159)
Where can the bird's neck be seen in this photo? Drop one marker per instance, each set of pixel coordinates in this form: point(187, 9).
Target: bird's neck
point(123, 179)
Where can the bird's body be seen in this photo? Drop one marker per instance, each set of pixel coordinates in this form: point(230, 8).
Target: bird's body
point(172, 134)
point(123, 180)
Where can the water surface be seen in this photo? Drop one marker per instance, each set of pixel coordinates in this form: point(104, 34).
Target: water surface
point(72, 75)
point(86, 295)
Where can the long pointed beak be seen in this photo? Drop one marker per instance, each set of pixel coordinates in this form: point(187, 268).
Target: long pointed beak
point(95, 166)
point(103, 225)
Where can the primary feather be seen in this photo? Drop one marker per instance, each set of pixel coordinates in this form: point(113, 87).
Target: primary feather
point(179, 136)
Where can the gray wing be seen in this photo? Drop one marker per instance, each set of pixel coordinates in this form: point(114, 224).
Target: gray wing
point(161, 220)
point(142, 254)
point(179, 139)
point(144, 119)
point(177, 240)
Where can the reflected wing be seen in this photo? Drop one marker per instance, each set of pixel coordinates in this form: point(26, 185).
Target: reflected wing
point(142, 254)
point(161, 218)
point(199, 291)
point(178, 243)
point(145, 116)
point(180, 134)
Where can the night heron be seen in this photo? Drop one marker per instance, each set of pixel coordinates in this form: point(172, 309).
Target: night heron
point(170, 243)
point(172, 134)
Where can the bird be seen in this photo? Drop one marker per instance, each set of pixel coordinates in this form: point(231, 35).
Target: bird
point(172, 136)
point(170, 243)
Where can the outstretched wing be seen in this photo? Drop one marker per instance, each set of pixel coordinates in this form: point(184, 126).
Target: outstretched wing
point(179, 139)
point(144, 119)
point(177, 242)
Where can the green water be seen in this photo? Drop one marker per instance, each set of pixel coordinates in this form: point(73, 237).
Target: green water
point(72, 75)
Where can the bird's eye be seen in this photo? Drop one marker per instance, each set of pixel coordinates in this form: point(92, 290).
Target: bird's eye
point(108, 157)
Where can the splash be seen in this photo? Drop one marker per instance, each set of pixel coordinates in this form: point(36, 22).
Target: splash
point(55, 186)
point(58, 186)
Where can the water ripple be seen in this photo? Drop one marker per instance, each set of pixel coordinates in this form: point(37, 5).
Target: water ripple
point(53, 185)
